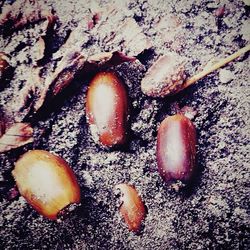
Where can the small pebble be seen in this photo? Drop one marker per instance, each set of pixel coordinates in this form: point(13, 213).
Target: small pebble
point(225, 75)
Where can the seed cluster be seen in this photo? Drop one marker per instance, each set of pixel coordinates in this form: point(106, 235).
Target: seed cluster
point(47, 182)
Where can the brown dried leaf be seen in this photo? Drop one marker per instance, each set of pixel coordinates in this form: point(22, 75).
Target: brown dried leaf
point(22, 12)
point(23, 104)
point(129, 38)
point(165, 76)
point(17, 135)
point(69, 66)
point(79, 54)
point(109, 59)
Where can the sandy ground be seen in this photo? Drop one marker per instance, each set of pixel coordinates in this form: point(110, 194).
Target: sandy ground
point(213, 213)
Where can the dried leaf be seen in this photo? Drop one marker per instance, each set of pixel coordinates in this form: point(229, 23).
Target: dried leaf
point(80, 54)
point(129, 38)
point(22, 12)
point(69, 66)
point(15, 136)
point(109, 59)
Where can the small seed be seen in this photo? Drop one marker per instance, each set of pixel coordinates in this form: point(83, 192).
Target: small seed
point(132, 208)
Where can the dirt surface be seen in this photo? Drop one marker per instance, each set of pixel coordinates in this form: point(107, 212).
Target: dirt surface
point(213, 213)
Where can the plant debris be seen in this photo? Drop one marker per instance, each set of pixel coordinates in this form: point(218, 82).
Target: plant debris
point(165, 76)
point(20, 13)
point(79, 57)
point(15, 136)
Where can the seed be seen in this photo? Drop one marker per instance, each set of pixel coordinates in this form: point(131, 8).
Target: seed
point(132, 208)
point(47, 182)
point(176, 148)
point(107, 109)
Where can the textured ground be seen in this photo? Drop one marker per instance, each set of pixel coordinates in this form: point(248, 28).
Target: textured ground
point(214, 212)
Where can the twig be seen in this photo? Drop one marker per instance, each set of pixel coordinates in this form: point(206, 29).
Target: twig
point(215, 66)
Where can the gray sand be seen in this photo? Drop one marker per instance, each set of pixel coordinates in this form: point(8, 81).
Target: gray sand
point(213, 213)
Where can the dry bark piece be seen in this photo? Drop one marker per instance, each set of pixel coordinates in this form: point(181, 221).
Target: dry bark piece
point(17, 135)
point(112, 32)
point(124, 43)
point(166, 76)
point(22, 12)
point(39, 91)
point(71, 64)
point(132, 208)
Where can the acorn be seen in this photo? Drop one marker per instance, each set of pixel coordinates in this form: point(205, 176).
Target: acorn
point(176, 148)
point(47, 182)
point(107, 109)
point(132, 208)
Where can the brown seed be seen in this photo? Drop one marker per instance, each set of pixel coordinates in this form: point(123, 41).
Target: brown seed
point(132, 208)
point(176, 148)
point(107, 109)
point(165, 76)
point(46, 181)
